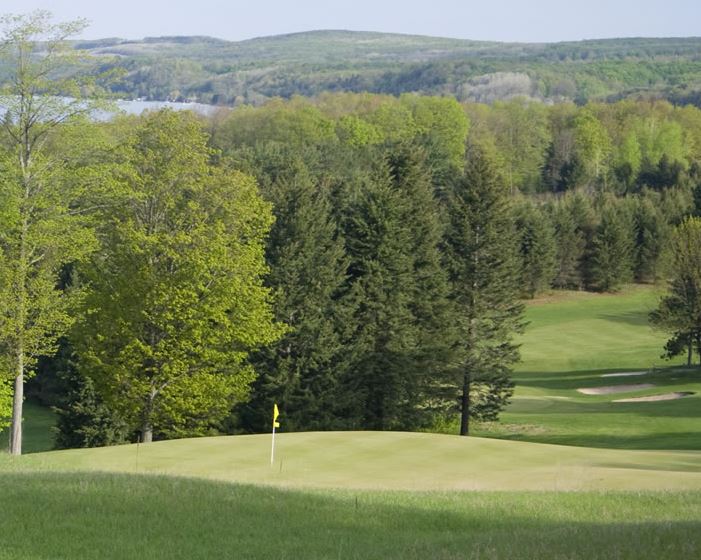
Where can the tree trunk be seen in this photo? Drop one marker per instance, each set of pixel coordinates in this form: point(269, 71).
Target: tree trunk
point(17, 402)
point(146, 433)
point(146, 426)
point(465, 406)
point(690, 352)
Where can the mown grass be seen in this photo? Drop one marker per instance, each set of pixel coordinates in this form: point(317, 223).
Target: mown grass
point(370, 495)
point(389, 460)
point(88, 516)
point(572, 339)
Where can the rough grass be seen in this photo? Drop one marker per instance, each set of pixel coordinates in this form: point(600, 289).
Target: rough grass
point(88, 516)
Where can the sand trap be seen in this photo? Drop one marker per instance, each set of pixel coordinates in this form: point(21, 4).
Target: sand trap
point(615, 389)
point(664, 397)
point(626, 374)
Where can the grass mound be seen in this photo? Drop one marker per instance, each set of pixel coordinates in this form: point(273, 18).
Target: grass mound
point(389, 460)
point(87, 516)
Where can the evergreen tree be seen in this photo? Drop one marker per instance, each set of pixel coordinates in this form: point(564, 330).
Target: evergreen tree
point(481, 252)
point(84, 420)
point(382, 337)
point(611, 263)
point(308, 270)
point(569, 248)
point(537, 249)
point(679, 311)
point(431, 307)
point(651, 237)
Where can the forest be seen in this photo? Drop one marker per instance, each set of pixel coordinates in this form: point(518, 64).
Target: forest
point(228, 73)
point(361, 259)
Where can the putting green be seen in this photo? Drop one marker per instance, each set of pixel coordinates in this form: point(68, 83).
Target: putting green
point(389, 460)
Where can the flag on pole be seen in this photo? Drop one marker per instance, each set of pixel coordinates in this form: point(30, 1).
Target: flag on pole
point(276, 413)
point(276, 424)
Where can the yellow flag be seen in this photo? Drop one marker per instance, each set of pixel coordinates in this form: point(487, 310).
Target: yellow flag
point(276, 413)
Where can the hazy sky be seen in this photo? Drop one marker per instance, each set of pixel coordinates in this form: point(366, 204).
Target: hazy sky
point(502, 20)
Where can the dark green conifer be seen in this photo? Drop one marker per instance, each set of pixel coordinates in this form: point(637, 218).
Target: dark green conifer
point(537, 249)
point(481, 252)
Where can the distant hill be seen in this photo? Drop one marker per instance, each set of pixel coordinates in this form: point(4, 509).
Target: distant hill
point(222, 72)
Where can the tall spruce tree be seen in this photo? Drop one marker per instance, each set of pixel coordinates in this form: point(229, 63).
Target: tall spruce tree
point(537, 249)
point(611, 262)
point(651, 237)
point(381, 338)
point(308, 265)
point(481, 253)
point(569, 249)
point(431, 307)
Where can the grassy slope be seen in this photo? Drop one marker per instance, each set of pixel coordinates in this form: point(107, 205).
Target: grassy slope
point(110, 516)
point(93, 515)
point(570, 342)
point(387, 460)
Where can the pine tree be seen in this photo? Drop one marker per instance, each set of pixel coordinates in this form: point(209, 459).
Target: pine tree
point(537, 249)
point(679, 311)
point(611, 263)
point(431, 306)
point(308, 270)
point(569, 250)
point(651, 237)
point(381, 338)
point(483, 266)
point(83, 419)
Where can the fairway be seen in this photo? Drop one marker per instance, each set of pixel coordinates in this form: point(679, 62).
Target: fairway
point(575, 340)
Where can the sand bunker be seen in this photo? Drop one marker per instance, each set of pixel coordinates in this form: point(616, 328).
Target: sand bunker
point(615, 389)
point(626, 374)
point(664, 397)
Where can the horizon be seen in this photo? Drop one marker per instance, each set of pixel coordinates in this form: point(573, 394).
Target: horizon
point(309, 31)
point(510, 21)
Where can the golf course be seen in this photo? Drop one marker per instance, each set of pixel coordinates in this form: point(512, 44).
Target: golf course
point(564, 474)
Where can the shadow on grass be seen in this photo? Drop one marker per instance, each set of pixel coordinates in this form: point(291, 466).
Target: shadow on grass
point(567, 380)
point(120, 516)
point(635, 318)
point(679, 441)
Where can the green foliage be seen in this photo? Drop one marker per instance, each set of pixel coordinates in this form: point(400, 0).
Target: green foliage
point(481, 253)
point(308, 265)
point(83, 419)
point(679, 311)
point(5, 403)
point(612, 252)
point(176, 300)
point(592, 146)
point(537, 249)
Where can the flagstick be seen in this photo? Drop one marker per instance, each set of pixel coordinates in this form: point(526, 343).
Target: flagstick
point(272, 448)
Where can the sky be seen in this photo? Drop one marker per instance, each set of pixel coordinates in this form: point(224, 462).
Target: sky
point(498, 20)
